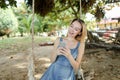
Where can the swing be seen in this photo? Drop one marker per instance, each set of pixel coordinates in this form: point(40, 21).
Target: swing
point(31, 69)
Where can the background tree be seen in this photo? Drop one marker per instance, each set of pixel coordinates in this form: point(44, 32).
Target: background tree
point(6, 3)
point(57, 6)
point(62, 9)
point(8, 22)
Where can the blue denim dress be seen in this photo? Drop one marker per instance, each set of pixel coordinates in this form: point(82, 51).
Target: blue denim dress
point(61, 69)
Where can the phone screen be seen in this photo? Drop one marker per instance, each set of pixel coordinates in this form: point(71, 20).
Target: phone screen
point(62, 44)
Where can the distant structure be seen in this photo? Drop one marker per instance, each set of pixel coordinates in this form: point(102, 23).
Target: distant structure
point(108, 24)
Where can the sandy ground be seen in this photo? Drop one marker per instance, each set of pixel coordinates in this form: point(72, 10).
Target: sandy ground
point(97, 64)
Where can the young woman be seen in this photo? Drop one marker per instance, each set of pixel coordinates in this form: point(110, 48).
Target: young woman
point(67, 53)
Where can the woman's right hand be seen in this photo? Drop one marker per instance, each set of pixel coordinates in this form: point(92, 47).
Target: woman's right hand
point(58, 51)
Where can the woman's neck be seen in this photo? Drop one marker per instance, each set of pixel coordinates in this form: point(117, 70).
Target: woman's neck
point(70, 38)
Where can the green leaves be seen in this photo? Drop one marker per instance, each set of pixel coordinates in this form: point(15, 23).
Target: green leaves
point(8, 21)
point(6, 3)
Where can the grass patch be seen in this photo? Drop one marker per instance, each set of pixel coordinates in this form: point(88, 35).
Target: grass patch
point(23, 41)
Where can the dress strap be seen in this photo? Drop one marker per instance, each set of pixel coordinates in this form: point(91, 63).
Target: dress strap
point(78, 44)
point(61, 39)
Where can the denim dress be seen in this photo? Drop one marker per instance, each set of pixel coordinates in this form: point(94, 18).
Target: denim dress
point(61, 69)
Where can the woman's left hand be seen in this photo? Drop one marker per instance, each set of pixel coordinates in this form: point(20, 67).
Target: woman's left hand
point(65, 51)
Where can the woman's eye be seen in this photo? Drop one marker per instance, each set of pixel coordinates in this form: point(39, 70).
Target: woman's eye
point(71, 26)
point(77, 29)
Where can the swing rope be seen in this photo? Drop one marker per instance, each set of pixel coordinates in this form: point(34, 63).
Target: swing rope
point(31, 68)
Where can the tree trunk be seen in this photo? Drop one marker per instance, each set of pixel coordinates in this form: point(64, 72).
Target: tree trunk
point(92, 38)
point(117, 39)
point(108, 47)
point(8, 35)
point(21, 34)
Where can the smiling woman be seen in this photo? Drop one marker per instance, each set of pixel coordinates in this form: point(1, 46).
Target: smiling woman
point(67, 53)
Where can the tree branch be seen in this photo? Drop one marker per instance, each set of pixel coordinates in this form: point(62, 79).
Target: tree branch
point(65, 8)
point(75, 12)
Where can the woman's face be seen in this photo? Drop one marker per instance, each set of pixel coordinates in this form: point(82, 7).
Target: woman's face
point(74, 29)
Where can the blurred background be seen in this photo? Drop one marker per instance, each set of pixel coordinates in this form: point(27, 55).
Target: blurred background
point(50, 20)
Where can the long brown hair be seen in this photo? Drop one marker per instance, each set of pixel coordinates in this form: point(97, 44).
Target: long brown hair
point(83, 31)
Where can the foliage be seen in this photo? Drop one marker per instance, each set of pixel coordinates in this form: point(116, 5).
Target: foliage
point(91, 26)
point(99, 13)
point(59, 6)
point(6, 3)
point(55, 14)
point(43, 7)
point(25, 18)
point(8, 21)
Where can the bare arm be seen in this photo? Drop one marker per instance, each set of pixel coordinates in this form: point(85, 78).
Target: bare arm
point(75, 63)
point(54, 50)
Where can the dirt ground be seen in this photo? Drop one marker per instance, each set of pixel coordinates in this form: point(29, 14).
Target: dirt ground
point(97, 64)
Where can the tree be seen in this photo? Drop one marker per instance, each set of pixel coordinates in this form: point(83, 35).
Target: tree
point(8, 22)
point(6, 3)
point(57, 6)
point(96, 7)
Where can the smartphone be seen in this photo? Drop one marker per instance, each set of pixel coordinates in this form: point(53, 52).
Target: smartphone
point(62, 44)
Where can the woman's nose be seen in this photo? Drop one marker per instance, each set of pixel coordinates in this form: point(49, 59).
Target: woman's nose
point(73, 29)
